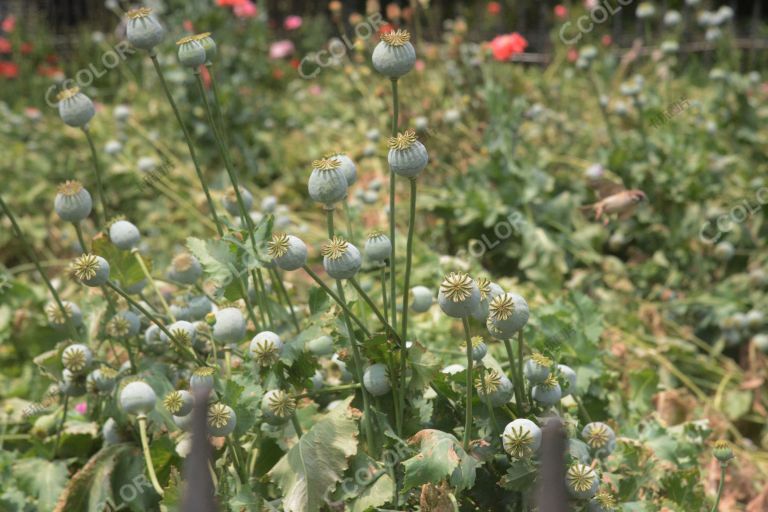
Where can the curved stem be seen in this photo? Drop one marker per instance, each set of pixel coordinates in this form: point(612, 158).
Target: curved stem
point(31, 255)
point(147, 455)
point(152, 283)
point(296, 425)
point(723, 467)
point(97, 168)
point(375, 309)
point(468, 408)
point(190, 146)
point(406, 296)
point(61, 425)
point(336, 299)
point(516, 378)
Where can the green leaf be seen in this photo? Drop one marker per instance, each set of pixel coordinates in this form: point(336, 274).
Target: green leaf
point(42, 479)
point(318, 300)
point(520, 476)
point(440, 454)
point(123, 265)
point(313, 466)
point(217, 257)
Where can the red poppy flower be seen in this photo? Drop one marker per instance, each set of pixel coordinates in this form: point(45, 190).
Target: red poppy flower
point(561, 11)
point(5, 45)
point(493, 8)
point(8, 69)
point(507, 45)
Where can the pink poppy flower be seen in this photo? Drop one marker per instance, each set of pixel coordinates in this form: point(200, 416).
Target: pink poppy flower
point(81, 408)
point(246, 10)
point(493, 8)
point(8, 24)
point(292, 22)
point(281, 49)
point(507, 45)
point(561, 11)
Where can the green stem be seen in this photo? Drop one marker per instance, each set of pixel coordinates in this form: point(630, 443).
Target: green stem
point(61, 425)
point(152, 318)
point(336, 299)
point(296, 425)
point(217, 103)
point(406, 296)
point(265, 300)
point(603, 110)
point(190, 146)
point(348, 218)
point(488, 404)
point(392, 230)
point(468, 408)
point(329, 389)
point(281, 289)
point(152, 283)
point(31, 255)
point(520, 352)
point(516, 378)
point(147, 455)
point(384, 292)
point(375, 310)
point(239, 468)
point(97, 168)
point(723, 467)
point(80, 237)
point(355, 352)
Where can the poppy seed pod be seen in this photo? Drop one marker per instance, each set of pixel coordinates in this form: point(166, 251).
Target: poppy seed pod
point(603, 501)
point(376, 380)
point(394, 56)
point(221, 420)
point(265, 348)
point(521, 438)
point(378, 247)
point(91, 270)
point(347, 167)
point(570, 377)
point(185, 269)
point(179, 403)
point(75, 108)
point(479, 348)
point(124, 235)
point(407, 156)
point(184, 422)
point(71, 384)
point(287, 251)
point(144, 31)
point(421, 299)
point(153, 340)
point(209, 45)
point(103, 379)
point(458, 295)
point(229, 201)
point(488, 291)
point(537, 368)
point(73, 203)
point(547, 393)
point(582, 481)
point(229, 326)
point(111, 432)
point(123, 325)
point(722, 451)
point(495, 386)
point(76, 358)
point(58, 318)
point(327, 183)
point(322, 346)
point(191, 53)
point(341, 259)
point(277, 406)
point(137, 398)
point(202, 379)
point(508, 313)
point(199, 307)
point(183, 333)
point(600, 437)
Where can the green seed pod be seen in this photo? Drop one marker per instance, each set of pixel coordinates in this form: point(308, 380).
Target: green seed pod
point(73, 203)
point(479, 348)
point(341, 259)
point(72, 385)
point(507, 314)
point(724, 251)
point(761, 342)
point(202, 379)
point(75, 108)
point(347, 167)
point(103, 379)
point(599, 437)
point(421, 299)
point(179, 403)
point(185, 269)
point(209, 45)
point(378, 247)
point(322, 346)
point(77, 358)
point(221, 420)
point(124, 325)
point(327, 183)
point(488, 292)
point(143, 30)
point(521, 439)
point(458, 295)
point(184, 422)
point(58, 318)
point(495, 386)
point(183, 332)
point(582, 481)
point(111, 432)
point(265, 348)
point(376, 379)
point(723, 451)
point(407, 156)
point(229, 326)
point(394, 56)
point(538, 368)
point(277, 406)
point(287, 251)
point(124, 235)
point(603, 501)
point(137, 398)
point(570, 377)
point(191, 52)
point(91, 270)
point(229, 201)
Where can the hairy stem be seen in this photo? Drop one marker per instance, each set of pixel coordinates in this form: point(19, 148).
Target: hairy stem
point(147, 456)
